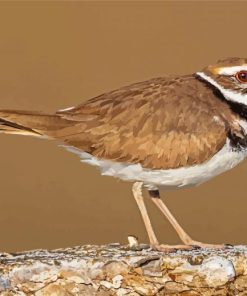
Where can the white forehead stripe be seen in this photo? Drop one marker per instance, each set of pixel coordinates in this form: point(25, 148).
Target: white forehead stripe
point(228, 94)
point(232, 70)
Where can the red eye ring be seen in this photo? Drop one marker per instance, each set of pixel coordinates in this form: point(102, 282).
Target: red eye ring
point(241, 76)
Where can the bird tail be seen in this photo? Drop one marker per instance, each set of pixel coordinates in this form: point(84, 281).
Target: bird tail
point(30, 123)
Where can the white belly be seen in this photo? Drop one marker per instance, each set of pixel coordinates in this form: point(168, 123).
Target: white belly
point(224, 160)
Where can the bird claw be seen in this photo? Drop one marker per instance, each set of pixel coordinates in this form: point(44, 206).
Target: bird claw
point(197, 245)
point(170, 248)
point(193, 245)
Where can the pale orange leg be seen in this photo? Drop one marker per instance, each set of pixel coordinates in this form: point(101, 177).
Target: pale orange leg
point(137, 192)
point(185, 238)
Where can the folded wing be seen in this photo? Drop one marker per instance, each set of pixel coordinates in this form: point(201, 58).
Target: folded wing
point(161, 124)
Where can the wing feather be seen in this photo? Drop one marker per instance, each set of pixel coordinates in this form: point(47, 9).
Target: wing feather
point(161, 124)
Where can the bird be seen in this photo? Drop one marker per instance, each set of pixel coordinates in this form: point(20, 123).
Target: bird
point(164, 133)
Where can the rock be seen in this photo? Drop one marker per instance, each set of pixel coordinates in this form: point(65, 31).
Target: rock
point(124, 270)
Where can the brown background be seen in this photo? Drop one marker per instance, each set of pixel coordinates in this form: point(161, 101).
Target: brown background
point(56, 54)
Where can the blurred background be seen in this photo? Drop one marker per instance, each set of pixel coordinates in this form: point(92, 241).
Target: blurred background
point(57, 54)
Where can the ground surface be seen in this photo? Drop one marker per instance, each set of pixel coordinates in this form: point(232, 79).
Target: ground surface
point(118, 270)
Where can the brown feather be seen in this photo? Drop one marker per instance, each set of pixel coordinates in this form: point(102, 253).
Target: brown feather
point(162, 123)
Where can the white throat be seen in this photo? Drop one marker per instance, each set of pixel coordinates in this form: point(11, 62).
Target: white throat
point(228, 94)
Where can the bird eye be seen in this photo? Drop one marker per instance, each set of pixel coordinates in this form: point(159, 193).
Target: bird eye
point(242, 76)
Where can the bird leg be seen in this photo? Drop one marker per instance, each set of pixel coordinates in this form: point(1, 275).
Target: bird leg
point(185, 238)
point(137, 192)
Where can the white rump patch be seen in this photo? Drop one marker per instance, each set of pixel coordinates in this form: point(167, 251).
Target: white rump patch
point(232, 70)
point(228, 94)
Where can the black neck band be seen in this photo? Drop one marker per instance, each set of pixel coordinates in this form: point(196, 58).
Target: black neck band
point(238, 108)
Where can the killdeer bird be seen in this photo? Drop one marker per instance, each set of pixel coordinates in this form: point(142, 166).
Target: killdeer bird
point(164, 133)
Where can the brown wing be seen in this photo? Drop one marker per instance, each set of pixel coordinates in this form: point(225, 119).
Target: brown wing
point(161, 124)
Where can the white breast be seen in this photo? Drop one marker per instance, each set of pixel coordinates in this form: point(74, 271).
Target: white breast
point(224, 160)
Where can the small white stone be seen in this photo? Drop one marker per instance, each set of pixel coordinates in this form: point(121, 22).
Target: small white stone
point(106, 284)
point(133, 241)
point(117, 281)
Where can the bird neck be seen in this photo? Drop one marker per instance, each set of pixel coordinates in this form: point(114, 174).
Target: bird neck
point(239, 108)
point(236, 107)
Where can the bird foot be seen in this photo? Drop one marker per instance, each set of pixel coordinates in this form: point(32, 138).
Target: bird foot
point(204, 245)
point(189, 246)
point(170, 248)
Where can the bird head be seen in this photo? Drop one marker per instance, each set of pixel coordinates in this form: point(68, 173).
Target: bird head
point(229, 76)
